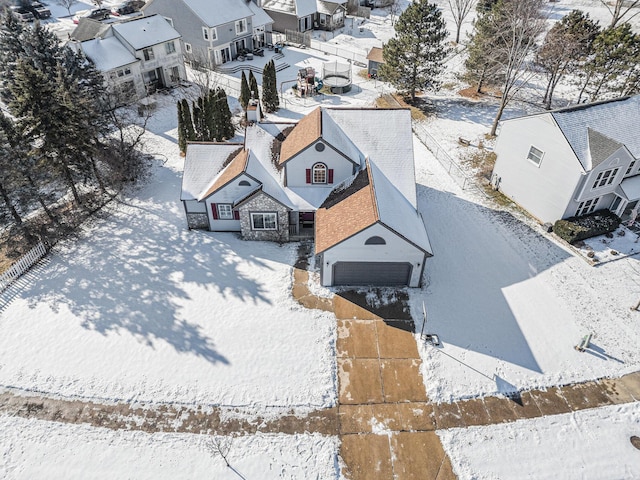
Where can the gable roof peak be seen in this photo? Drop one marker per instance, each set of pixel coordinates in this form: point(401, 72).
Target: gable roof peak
point(601, 146)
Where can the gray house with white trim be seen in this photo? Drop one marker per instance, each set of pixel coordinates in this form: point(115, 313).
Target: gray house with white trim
point(214, 32)
point(572, 161)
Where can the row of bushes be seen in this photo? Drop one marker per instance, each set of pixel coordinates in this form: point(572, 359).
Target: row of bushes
point(574, 229)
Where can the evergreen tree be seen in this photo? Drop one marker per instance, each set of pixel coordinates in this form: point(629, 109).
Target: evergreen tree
point(481, 66)
point(182, 133)
point(565, 48)
point(414, 57)
point(614, 63)
point(225, 119)
point(210, 115)
point(245, 93)
point(270, 88)
point(190, 133)
point(253, 86)
point(198, 120)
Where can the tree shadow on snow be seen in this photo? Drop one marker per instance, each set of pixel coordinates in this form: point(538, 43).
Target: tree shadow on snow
point(481, 258)
point(135, 271)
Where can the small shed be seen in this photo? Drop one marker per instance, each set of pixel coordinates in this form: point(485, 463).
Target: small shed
point(375, 60)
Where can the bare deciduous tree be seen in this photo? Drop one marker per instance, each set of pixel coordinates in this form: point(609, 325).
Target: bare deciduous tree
point(518, 25)
point(621, 8)
point(460, 9)
point(67, 4)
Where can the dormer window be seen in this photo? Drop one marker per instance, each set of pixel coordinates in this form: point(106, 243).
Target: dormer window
point(319, 173)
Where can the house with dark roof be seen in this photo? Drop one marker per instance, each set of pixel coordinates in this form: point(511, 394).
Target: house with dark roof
point(343, 177)
point(303, 15)
point(572, 161)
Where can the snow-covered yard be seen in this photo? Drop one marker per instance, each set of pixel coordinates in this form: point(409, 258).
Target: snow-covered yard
point(592, 444)
point(39, 449)
point(142, 309)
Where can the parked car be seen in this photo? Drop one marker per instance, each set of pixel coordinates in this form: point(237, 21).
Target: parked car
point(39, 10)
point(127, 7)
point(22, 14)
point(97, 14)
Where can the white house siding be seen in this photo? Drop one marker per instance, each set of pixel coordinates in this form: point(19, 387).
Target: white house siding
point(262, 203)
point(545, 190)
point(194, 206)
point(229, 194)
point(620, 160)
point(296, 168)
point(397, 249)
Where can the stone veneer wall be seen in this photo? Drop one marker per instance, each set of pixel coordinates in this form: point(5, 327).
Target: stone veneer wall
point(198, 220)
point(261, 203)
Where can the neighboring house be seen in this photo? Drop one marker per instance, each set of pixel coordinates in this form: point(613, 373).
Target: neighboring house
point(136, 57)
point(375, 59)
point(572, 161)
point(342, 176)
point(330, 15)
point(295, 15)
point(303, 15)
point(215, 32)
point(88, 29)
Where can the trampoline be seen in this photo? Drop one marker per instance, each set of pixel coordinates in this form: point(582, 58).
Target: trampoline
point(337, 77)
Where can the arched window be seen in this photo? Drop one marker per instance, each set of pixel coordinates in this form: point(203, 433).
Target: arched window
point(319, 172)
point(375, 241)
point(244, 183)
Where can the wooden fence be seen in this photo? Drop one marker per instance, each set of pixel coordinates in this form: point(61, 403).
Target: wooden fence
point(21, 266)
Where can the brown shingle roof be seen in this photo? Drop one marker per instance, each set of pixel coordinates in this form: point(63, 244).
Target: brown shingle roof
point(234, 168)
point(307, 131)
point(375, 54)
point(347, 217)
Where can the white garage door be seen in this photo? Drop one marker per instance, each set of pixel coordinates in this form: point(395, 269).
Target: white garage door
point(372, 273)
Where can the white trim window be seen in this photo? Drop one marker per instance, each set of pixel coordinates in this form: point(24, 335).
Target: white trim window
point(535, 156)
point(170, 47)
point(605, 178)
point(148, 54)
point(319, 173)
point(264, 221)
point(241, 26)
point(205, 33)
point(587, 206)
point(225, 211)
point(187, 48)
point(630, 169)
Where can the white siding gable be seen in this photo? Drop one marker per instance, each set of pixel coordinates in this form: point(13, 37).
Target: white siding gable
point(546, 189)
point(296, 168)
point(396, 249)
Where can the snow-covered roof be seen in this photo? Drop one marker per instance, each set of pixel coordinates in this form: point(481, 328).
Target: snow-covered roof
point(395, 211)
point(334, 135)
point(615, 119)
point(107, 53)
point(260, 17)
point(219, 12)
point(146, 31)
point(202, 165)
point(385, 136)
point(630, 188)
point(88, 29)
point(300, 8)
point(326, 7)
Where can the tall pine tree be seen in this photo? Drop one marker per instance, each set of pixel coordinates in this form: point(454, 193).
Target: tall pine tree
point(414, 57)
point(224, 117)
point(190, 132)
point(245, 92)
point(270, 97)
point(182, 132)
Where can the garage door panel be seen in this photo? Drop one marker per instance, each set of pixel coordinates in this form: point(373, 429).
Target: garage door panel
point(372, 273)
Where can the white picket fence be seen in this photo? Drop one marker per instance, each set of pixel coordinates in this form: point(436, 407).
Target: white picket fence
point(21, 266)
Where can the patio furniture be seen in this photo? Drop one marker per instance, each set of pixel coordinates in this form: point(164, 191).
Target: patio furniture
point(259, 52)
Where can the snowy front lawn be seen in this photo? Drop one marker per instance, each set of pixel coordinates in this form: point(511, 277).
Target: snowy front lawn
point(142, 309)
point(510, 304)
point(39, 449)
point(589, 444)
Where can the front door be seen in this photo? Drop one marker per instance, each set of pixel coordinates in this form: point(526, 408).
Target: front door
point(629, 210)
